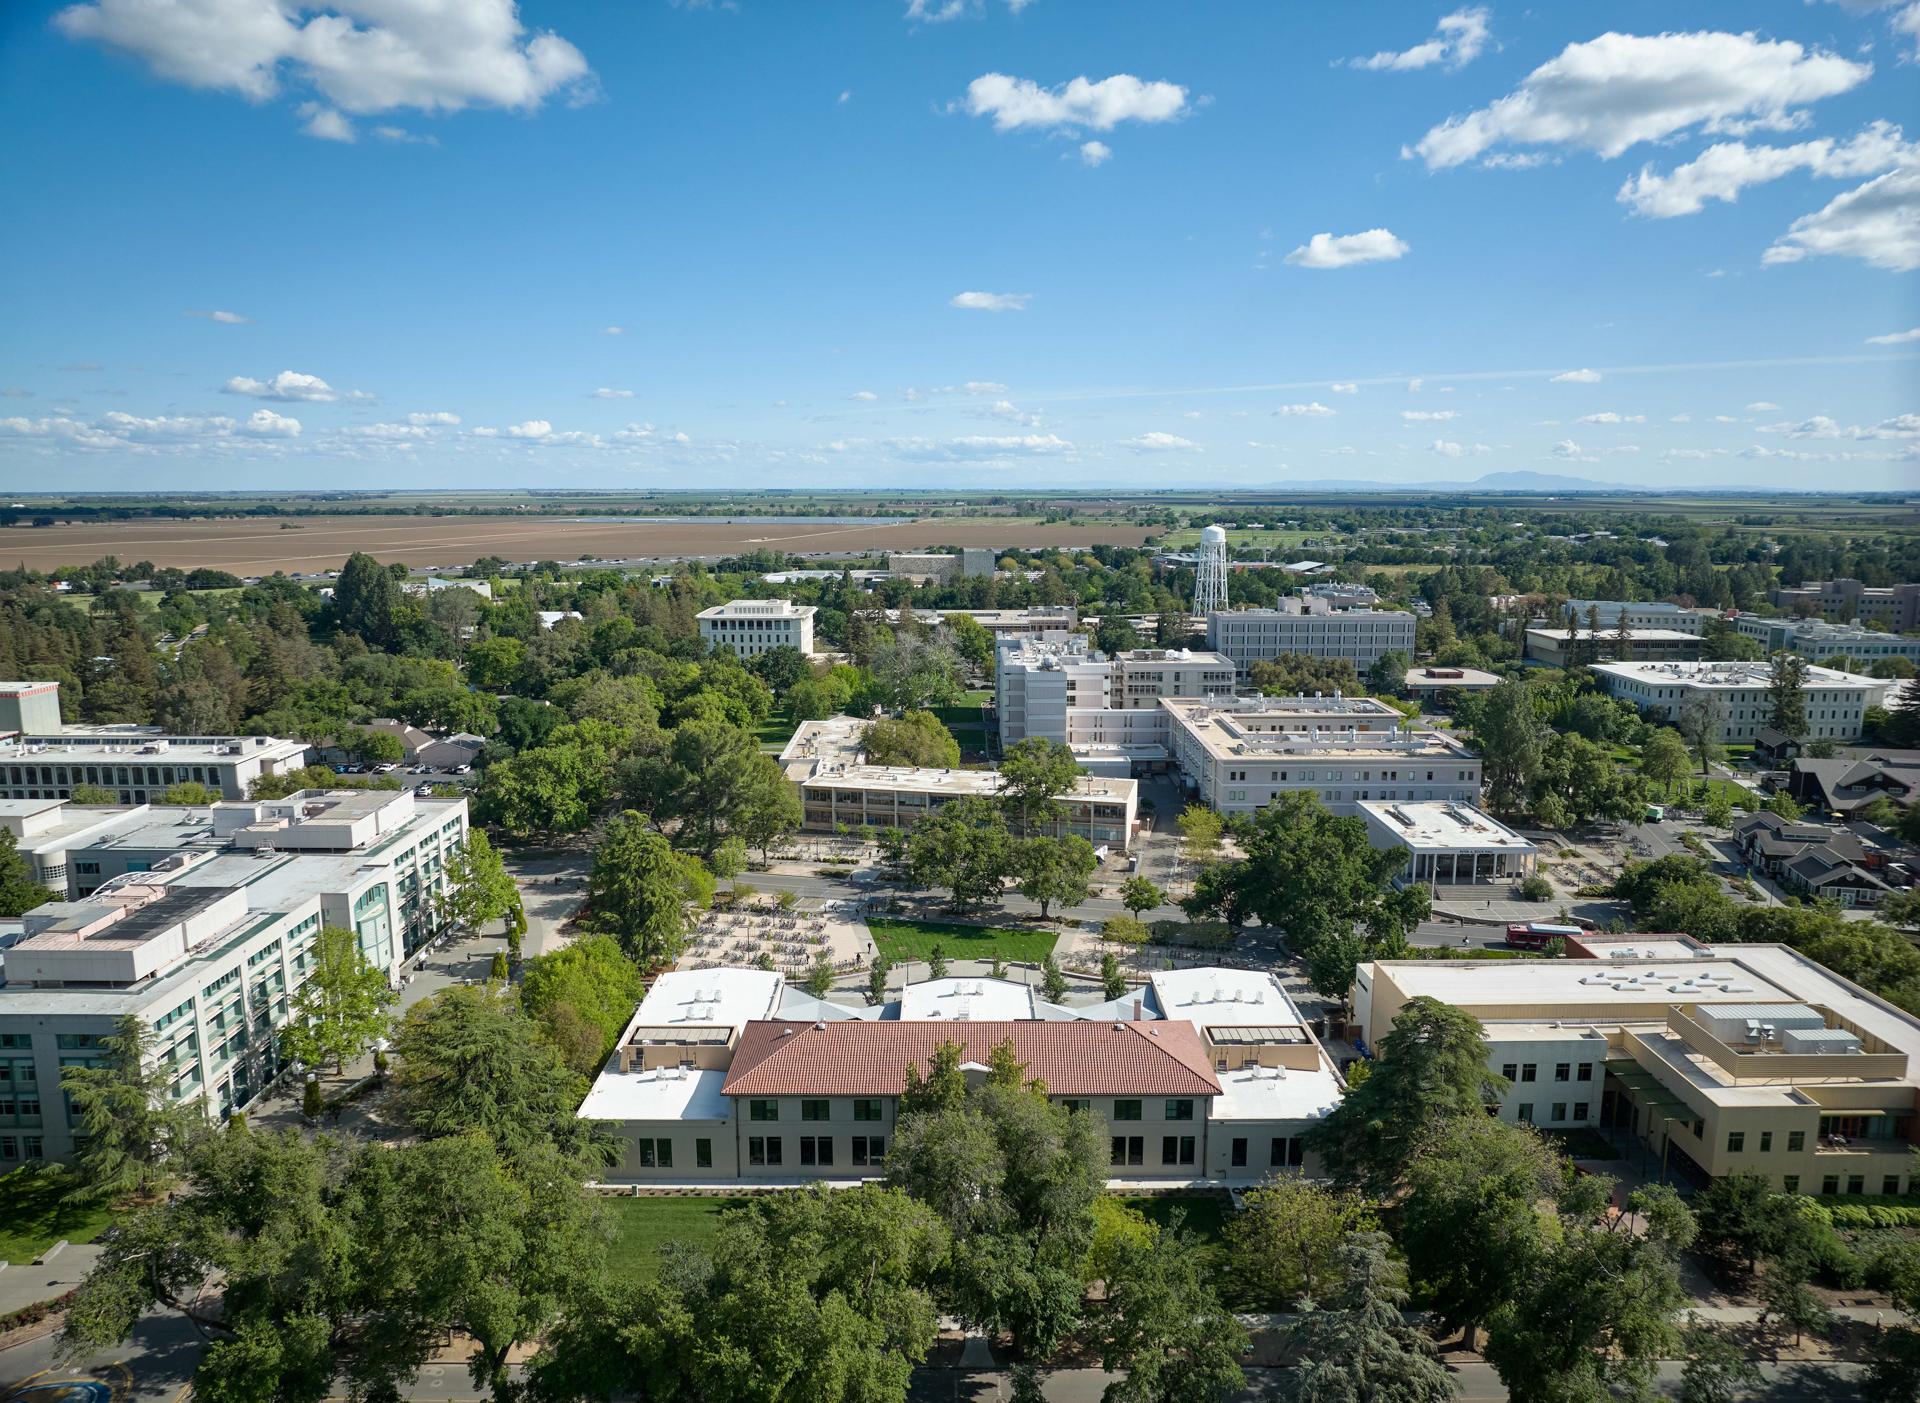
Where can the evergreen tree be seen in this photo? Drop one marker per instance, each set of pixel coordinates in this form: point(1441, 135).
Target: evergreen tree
point(19, 893)
point(1361, 1349)
point(1786, 695)
point(131, 1133)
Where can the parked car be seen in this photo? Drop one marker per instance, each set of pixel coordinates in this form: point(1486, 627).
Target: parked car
point(461, 770)
point(385, 769)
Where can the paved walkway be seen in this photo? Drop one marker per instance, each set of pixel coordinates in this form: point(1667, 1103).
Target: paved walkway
point(23, 1284)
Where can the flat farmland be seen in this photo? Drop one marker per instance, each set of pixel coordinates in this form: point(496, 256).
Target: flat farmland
point(261, 545)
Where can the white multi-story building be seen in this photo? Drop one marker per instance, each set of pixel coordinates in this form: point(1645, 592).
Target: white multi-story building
point(751, 627)
point(1038, 682)
point(1239, 754)
point(1060, 689)
point(936, 566)
point(1553, 648)
point(1816, 638)
point(730, 1075)
point(1448, 843)
point(1640, 613)
point(1836, 702)
point(1312, 627)
point(203, 924)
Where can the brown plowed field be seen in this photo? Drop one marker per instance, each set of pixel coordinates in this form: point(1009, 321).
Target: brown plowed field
point(259, 546)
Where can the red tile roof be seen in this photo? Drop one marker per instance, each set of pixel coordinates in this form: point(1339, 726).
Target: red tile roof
point(778, 1057)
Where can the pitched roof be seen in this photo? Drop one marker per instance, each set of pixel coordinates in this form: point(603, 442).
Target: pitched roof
point(1079, 1058)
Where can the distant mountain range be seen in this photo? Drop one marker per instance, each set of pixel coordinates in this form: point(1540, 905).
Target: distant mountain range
point(1492, 482)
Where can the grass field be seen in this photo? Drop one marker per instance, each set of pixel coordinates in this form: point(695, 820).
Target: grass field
point(32, 1217)
point(642, 1226)
point(914, 940)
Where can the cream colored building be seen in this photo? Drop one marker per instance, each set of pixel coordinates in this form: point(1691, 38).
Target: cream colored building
point(1836, 702)
point(754, 626)
point(1719, 1059)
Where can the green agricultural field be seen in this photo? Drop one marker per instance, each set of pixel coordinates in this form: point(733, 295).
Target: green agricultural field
point(33, 1218)
point(914, 940)
point(642, 1226)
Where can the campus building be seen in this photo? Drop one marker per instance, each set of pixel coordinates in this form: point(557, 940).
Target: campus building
point(203, 922)
point(1448, 844)
point(826, 761)
point(751, 627)
point(1639, 613)
point(1895, 607)
point(1039, 684)
point(1719, 1059)
point(1553, 648)
point(1310, 626)
point(1444, 686)
point(1836, 702)
point(731, 1075)
point(1818, 639)
point(1239, 754)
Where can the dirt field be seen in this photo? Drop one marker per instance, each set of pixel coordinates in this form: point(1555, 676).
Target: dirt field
point(261, 546)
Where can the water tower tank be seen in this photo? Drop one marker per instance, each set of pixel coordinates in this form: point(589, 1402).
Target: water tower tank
point(1213, 535)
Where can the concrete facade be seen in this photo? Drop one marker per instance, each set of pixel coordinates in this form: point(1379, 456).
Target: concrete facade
point(754, 626)
point(1895, 607)
point(1836, 702)
point(1312, 627)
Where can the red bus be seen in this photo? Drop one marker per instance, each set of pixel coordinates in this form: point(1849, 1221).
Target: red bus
point(1538, 935)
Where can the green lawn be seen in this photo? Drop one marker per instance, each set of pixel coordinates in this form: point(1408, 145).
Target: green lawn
point(1202, 1215)
point(776, 731)
point(642, 1226)
point(914, 940)
point(32, 1218)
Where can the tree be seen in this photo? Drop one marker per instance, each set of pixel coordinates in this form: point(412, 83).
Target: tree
point(190, 794)
point(766, 806)
point(480, 889)
point(1301, 674)
point(877, 980)
point(820, 976)
point(1902, 724)
point(1388, 674)
point(19, 893)
point(552, 788)
point(1718, 1369)
point(937, 961)
point(1663, 759)
point(93, 794)
point(1054, 871)
point(1470, 1221)
point(1053, 983)
point(1430, 1066)
point(1034, 773)
point(131, 1132)
point(918, 739)
point(1166, 1328)
point(914, 676)
point(1139, 894)
point(1286, 1241)
point(1113, 979)
point(1508, 733)
point(1789, 1302)
point(1786, 806)
point(342, 1010)
point(1200, 830)
point(493, 664)
point(964, 848)
point(367, 602)
point(1362, 1350)
point(1701, 723)
point(588, 983)
point(971, 639)
point(378, 748)
point(1786, 699)
point(704, 775)
point(639, 891)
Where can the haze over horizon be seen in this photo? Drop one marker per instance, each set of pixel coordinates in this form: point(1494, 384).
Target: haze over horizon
point(974, 244)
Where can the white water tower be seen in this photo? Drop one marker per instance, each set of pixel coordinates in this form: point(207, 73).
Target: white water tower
point(1210, 572)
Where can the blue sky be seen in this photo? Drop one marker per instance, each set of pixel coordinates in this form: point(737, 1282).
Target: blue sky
point(947, 243)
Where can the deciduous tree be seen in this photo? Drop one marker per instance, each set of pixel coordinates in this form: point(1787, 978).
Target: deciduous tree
point(343, 1008)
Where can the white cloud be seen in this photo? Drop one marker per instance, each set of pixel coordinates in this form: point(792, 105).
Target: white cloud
point(613, 331)
point(1722, 171)
point(1762, 406)
point(1608, 416)
point(941, 11)
point(1613, 92)
point(867, 395)
point(1008, 410)
point(1895, 338)
point(1428, 416)
point(991, 301)
point(1344, 387)
point(1447, 449)
point(405, 137)
point(1413, 385)
point(532, 428)
point(263, 430)
point(1820, 426)
point(326, 123)
point(223, 318)
point(846, 96)
point(1095, 153)
point(1458, 39)
point(270, 425)
point(1680, 419)
point(1328, 251)
point(1315, 410)
point(972, 387)
point(433, 418)
point(1157, 442)
point(605, 392)
point(1015, 103)
point(1570, 452)
point(361, 56)
point(287, 385)
point(1878, 223)
point(390, 433)
point(1575, 377)
point(980, 447)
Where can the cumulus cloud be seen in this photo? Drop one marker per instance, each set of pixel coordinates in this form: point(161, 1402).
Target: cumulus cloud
point(287, 385)
point(532, 428)
point(1016, 103)
point(326, 123)
point(1722, 171)
point(436, 418)
point(1008, 410)
point(1878, 223)
point(1458, 39)
point(1343, 251)
point(1448, 449)
point(1762, 406)
point(360, 56)
point(980, 447)
point(613, 331)
point(1901, 426)
point(1428, 416)
point(1575, 377)
point(1157, 442)
point(268, 424)
point(223, 318)
point(1614, 92)
point(867, 395)
point(605, 392)
point(1094, 153)
point(163, 433)
point(991, 301)
point(1344, 387)
point(971, 387)
point(1315, 410)
point(1608, 416)
point(1895, 338)
point(390, 433)
point(1570, 452)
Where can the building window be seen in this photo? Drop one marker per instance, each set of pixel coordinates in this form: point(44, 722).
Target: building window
point(1176, 1149)
point(763, 1110)
point(867, 1108)
point(1790, 1184)
point(1766, 1141)
point(1129, 1149)
point(1527, 1070)
point(1559, 1112)
point(1181, 1109)
point(1510, 1071)
point(1579, 1110)
point(1284, 1153)
point(869, 1149)
point(1830, 1184)
point(1126, 1110)
point(1796, 1141)
point(1586, 1071)
point(1856, 1183)
point(813, 1110)
point(1075, 1103)
point(1524, 1113)
point(1736, 1141)
point(1238, 1157)
point(1562, 1071)
point(763, 1150)
point(703, 1154)
point(816, 1149)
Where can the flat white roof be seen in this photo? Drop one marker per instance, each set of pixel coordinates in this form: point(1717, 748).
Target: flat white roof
point(1216, 996)
point(1425, 826)
point(758, 609)
point(708, 997)
point(1638, 635)
point(1426, 676)
point(665, 1093)
point(1729, 675)
point(1275, 1093)
point(960, 1000)
point(1492, 984)
point(1645, 947)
